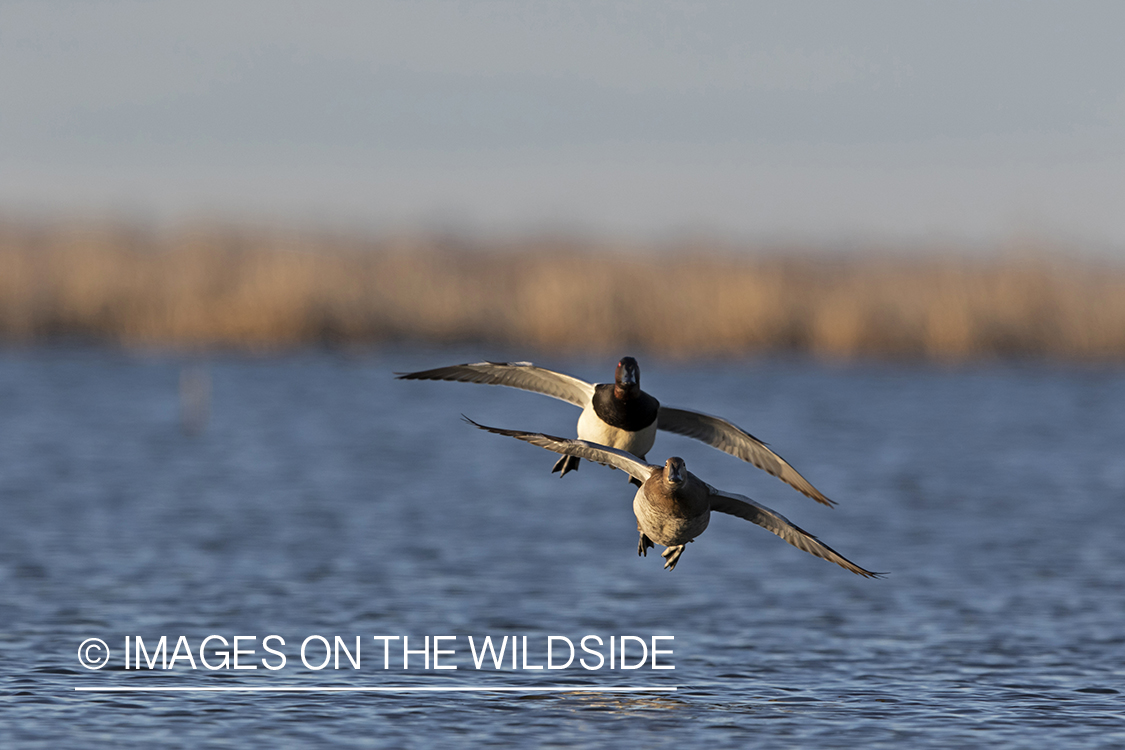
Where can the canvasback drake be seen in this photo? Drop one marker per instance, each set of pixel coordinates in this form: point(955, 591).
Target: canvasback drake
point(620, 415)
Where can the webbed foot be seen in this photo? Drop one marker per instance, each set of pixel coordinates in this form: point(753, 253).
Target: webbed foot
point(672, 556)
point(644, 545)
point(565, 464)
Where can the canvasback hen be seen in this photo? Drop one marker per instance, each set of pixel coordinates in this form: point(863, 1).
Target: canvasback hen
point(673, 506)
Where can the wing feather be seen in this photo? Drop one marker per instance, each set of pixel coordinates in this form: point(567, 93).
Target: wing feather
point(601, 454)
point(728, 437)
point(772, 521)
point(523, 375)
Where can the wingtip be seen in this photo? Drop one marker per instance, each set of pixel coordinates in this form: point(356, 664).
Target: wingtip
point(811, 492)
point(493, 430)
point(866, 573)
point(416, 375)
point(424, 374)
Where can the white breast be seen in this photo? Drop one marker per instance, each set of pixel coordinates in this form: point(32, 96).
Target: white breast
point(592, 428)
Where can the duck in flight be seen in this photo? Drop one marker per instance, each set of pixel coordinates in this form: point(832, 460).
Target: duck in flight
point(620, 415)
point(673, 506)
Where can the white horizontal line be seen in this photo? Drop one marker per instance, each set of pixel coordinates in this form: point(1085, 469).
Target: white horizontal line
point(391, 689)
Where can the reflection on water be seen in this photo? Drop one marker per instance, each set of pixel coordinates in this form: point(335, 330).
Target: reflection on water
point(323, 497)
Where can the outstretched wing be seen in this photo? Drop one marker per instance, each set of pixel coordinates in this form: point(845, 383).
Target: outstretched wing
point(744, 507)
point(601, 454)
point(522, 375)
point(730, 438)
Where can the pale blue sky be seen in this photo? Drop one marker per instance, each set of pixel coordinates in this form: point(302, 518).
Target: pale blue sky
point(825, 121)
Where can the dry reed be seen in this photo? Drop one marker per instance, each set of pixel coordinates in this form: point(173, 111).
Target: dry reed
point(257, 289)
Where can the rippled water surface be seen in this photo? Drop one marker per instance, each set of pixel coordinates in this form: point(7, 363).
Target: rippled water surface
point(323, 497)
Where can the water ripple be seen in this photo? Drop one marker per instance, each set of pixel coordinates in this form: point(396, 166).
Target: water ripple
point(323, 497)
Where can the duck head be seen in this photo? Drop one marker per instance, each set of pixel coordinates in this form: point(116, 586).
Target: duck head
point(675, 472)
point(627, 378)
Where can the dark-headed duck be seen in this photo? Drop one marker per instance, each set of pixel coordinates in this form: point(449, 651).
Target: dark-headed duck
point(620, 415)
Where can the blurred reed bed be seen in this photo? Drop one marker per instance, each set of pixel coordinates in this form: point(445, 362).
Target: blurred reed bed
point(260, 289)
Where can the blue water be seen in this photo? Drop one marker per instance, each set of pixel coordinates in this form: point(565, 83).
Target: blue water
point(322, 497)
